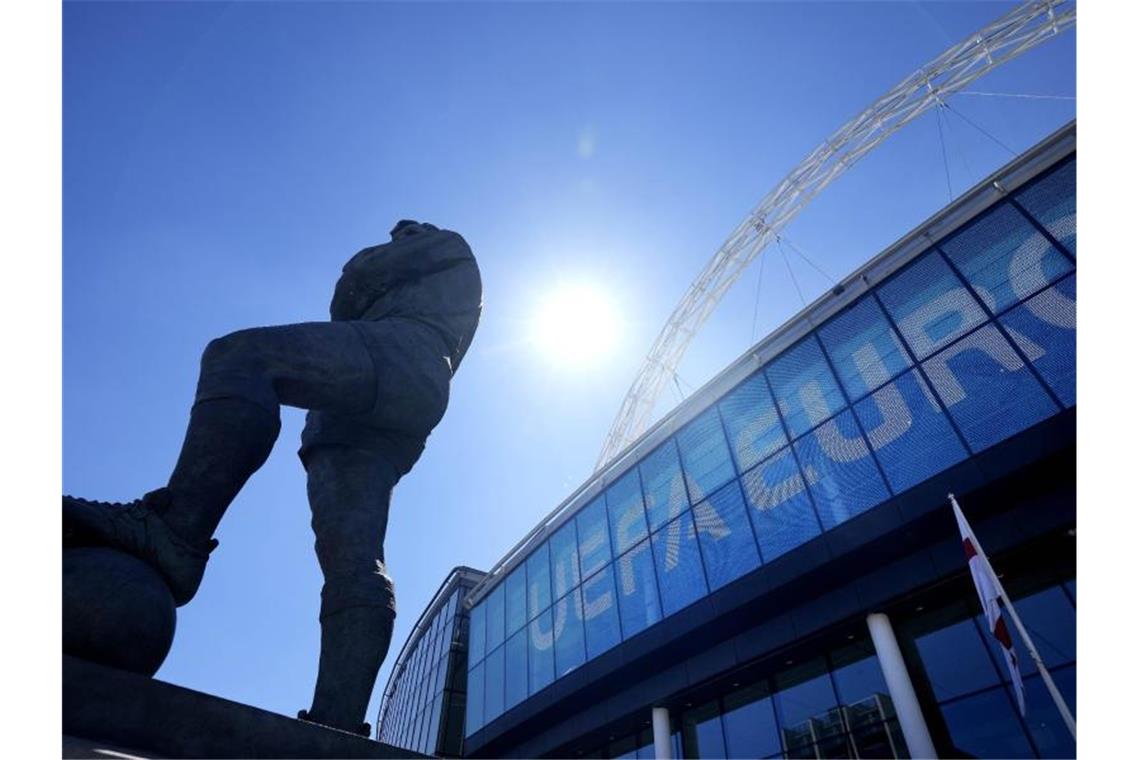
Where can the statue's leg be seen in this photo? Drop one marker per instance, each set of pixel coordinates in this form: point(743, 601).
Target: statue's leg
point(245, 378)
point(349, 493)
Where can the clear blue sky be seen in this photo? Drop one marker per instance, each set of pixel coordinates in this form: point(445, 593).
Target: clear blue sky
point(222, 161)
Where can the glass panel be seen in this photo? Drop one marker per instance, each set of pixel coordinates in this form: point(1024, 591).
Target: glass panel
point(477, 635)
point(515, 591)
point(495, 618)
point(879, 740)
point(857, 675)
point(493, 696)
point(627, 514)
point(864, 348)
point(433, 732)
point(704, 454)
point(541, 652)
point(516, 669)
point(750, 417)
point(600, 612)
point(1041, 716)
point(1052, 200)
point(1004, 258)
point(930, 305)
point(909, 432)
point(843, 478)
point(807, 708)
point(1045, 329)
point(678, 560)
point(475, 699)
point(750, 724)
point(782, 512)
point(955, 660)
point(985, 725)
point(569, 640)
point(637, 590)
point(804, 387)
point(665, 495)
point(593, 537)
point(564, 558)
point(701, 732)
point(538, 580)
point(987, 389)
point(727, 543)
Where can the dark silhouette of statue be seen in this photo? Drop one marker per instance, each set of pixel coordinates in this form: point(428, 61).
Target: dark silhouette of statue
point(375, 380)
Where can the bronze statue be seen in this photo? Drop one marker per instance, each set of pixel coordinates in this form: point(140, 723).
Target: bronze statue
point(375, 380)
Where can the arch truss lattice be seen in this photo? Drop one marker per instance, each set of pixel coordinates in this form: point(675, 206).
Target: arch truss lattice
point(1009, 36)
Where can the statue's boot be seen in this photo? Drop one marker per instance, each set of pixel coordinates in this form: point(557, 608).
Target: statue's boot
point(354, 642)
point(227, 440)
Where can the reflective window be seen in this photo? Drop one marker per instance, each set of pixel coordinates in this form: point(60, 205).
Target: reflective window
point(749, 719)
point(930, 305)
point(837, 465)
point(1004, 258)
point(593, 537)
point(477, 637)
point(495, 683)
point(1051, 621)
point(704, 454)
point(727, 543)
point(864, 348)
point(569, 638)
point(495, 618)
point(955, 660)
point(516, 669)
point(538, 580)
point(474, 699)
point(665, 495)
point(1046, 727)
point(909, 432)
point(540, 654)
point(627, 513)
point(515, 592)
point(564, 558)
point(1052, 201)
point(678, 560)
point(781, 510)
point(600, 613)
point(810, 719)
point(1045, 329)
point(982, 726)
point(637, 590)
point(804, 387)
point(754, 428)
point(701, 732)
point(987, 389)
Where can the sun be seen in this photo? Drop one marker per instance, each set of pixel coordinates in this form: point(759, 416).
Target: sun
point(576, 326)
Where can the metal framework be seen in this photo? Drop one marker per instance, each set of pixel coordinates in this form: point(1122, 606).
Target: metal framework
point(1020, 30)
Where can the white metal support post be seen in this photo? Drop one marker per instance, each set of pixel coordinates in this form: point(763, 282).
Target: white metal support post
point(911, 720)
point(662, 736)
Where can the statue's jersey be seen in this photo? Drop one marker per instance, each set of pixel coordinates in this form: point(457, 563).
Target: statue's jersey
point(424, 274)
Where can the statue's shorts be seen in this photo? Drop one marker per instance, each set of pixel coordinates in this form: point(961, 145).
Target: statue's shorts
point(374, 391)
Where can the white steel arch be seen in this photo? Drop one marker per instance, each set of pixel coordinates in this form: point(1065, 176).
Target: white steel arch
point(1020, 30)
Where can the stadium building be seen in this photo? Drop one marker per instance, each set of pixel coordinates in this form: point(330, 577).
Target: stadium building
point(739, 577)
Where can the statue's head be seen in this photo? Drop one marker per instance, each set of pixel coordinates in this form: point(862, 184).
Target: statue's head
point(407, 227)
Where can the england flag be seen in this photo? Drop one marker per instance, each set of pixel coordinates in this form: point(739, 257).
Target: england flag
point(989, 592)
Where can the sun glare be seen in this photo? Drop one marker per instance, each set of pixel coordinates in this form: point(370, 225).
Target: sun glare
point(576, 326)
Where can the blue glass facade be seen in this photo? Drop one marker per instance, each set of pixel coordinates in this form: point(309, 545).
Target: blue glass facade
point(968, 344)
point(424, 706)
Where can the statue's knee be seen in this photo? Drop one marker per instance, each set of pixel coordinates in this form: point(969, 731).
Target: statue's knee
point(372, 589)
point(234, 348)
point(232, 366)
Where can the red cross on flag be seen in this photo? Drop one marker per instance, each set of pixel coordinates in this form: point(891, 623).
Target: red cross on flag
point(990, 592)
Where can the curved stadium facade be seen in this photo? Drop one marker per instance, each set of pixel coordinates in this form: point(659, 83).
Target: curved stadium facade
point(728, 566)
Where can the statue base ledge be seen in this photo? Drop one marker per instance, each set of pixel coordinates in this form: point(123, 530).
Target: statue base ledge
point(105, 709)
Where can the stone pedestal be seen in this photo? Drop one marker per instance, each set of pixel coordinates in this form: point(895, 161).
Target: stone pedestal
point(106, 708)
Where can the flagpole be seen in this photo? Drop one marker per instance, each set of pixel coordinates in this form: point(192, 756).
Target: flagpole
point(1063, 708)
